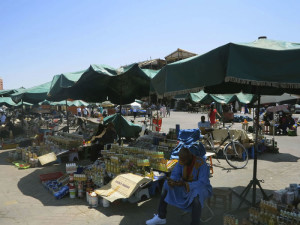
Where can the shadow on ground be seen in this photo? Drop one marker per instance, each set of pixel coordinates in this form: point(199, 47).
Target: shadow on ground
point(133, 214)
point(278, 157)
point(176, 216)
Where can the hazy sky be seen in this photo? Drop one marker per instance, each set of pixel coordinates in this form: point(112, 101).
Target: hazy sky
point(42, 38)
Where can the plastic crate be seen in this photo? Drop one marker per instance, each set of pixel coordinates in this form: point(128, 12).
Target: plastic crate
point(51, 176)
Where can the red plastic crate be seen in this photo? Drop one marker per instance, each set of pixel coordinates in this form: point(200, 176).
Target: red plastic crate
point(50, 176)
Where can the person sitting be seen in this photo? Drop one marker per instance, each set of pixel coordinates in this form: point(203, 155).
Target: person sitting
point(203, 124)
point(187, 188)
point(283, 124)
point(291, 122)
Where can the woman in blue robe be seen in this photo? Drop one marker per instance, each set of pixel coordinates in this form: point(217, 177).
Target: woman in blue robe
point(187, 188)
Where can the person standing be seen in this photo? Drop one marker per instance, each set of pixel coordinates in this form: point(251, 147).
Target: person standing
point(134, 112)
point(78, 111)
point(149, 112)
point(3, 118)
point(164, 110)
point(168, 111)
point(85, 112)
point(212, 115)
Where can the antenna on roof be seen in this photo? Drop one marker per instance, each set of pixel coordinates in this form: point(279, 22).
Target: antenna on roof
point(262, 37)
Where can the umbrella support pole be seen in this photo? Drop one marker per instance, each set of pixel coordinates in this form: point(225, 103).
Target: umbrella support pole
point(245, 192)
point(254, 182)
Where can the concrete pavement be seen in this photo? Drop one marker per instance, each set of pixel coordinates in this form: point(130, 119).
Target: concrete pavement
point(23, 200)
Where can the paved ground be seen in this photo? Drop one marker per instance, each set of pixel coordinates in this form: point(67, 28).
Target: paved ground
point(23, 200)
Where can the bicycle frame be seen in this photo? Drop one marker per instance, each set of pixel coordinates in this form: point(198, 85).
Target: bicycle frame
point(227, 138)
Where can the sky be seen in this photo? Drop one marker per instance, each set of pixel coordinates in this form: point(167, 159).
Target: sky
point(39, 39)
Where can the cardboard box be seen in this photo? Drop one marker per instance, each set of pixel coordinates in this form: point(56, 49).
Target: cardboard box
point(123, 186)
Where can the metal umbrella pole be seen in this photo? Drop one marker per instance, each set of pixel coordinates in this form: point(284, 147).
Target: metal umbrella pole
point(68, 130)
point(254, 182)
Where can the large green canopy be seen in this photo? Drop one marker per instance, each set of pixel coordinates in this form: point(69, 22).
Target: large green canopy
point(271, 65)
point(59, 82)
point(32, 95)
point(7, 101)
point(76, 103)
point(123, 127)
point(7, 93)
point(121, 86)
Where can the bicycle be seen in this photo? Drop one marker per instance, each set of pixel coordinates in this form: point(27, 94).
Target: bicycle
point(235, 153)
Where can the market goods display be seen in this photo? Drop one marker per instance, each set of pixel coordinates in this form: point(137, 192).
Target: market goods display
point(66, 140)
point(283, 209)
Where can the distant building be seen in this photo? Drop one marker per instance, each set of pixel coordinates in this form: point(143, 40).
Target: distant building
point(154, 64)
point(179, 54)
point(1, 84)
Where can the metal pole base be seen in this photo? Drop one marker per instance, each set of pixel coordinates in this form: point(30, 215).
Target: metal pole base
point(245, 192)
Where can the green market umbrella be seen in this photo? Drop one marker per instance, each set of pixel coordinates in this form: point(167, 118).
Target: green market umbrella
point(32, 95)
point(232, 68)
point(123, 127)
point(263, 67)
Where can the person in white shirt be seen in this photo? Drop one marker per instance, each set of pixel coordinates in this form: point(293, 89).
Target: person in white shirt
point(203, 124)
point(78, 111)
point(85, 112)
point(134, 112)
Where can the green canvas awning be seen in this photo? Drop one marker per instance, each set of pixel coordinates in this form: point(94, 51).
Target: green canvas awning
point(123, 127)
point(32, 95)
point(60, 82)
point(7, 101)
point(77, 103)
point(232, 68)
point(7, 93)
point(121, 86)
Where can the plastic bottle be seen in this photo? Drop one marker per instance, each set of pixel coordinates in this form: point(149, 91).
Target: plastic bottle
point(72, 191)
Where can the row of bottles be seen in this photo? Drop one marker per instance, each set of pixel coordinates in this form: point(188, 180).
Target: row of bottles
point(71, 167)
point(267, 215)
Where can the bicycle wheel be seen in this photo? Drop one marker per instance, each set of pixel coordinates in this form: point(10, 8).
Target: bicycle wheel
point(236, 157)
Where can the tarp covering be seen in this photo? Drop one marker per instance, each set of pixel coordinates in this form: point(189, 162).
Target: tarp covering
point(121, 86)
point(63, 103)
point(59, 82)
point(232, 68)
point(123, 127)
point(7, 101)
point(7, 93)
point(32, 95)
